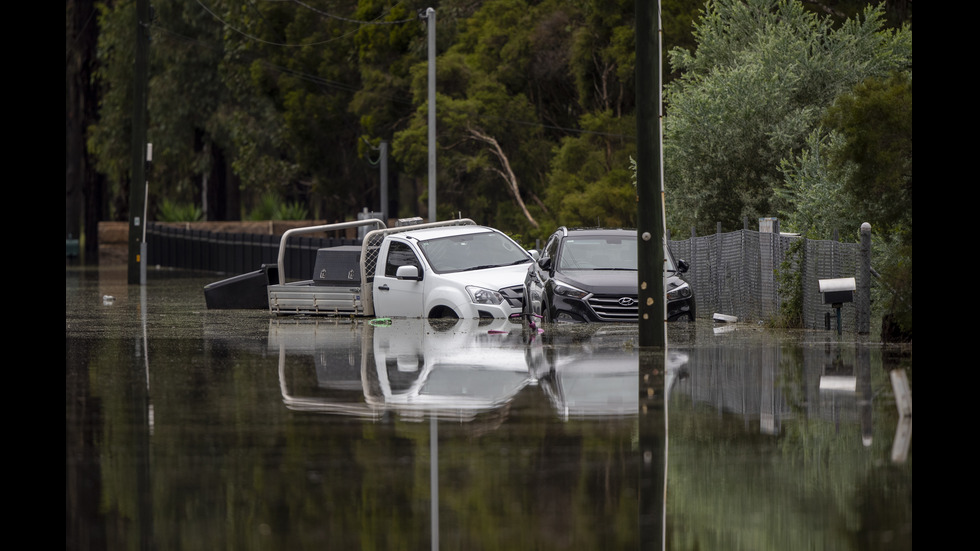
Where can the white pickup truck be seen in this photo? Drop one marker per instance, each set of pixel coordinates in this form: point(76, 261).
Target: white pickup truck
point(453, 269)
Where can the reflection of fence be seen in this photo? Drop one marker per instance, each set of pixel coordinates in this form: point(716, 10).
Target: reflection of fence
point(779, 380)
point(736, 273)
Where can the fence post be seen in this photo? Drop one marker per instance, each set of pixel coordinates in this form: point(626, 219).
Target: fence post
point(864, 282)
point(768, 264)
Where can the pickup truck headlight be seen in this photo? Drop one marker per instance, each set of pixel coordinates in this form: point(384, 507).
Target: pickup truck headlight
point(479, 295)
point(681, 291)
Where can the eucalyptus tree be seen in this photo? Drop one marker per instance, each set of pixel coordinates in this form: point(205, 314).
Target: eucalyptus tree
point(296, 60)
point(492, 150)
point(191, 140)
point(109, 138)
point(194, 116)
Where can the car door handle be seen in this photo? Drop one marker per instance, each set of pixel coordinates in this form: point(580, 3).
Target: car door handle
point(383, 287)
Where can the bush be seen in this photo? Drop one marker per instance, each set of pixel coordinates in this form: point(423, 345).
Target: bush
point(789, 279)
point(170, 211)
point(271, 207)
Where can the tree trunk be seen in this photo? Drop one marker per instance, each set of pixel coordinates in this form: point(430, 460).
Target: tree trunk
point(507, 174)
point(84, 194)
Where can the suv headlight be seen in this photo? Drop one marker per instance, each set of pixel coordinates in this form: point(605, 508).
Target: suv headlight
point(479, 295)
point(567, 290)
point(681, 291)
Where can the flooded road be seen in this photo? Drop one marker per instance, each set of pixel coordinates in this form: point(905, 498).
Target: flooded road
point(196, 429)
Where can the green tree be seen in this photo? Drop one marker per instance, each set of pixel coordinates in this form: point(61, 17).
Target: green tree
point(814, 202)
point(857, 167)
point(491, 145)
point(874, 162)
point(109, 138)
point(867, 155)
point(187, 95)
point(591, 182)
point(84, 186)
point(762, 77)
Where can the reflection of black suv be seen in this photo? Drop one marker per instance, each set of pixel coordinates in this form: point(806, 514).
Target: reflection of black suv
point(590, 275)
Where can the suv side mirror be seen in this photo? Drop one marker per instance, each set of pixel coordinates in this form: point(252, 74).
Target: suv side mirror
point(545, 263)
point(682, 266)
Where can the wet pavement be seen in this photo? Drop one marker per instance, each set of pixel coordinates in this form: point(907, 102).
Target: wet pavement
point(196, 429)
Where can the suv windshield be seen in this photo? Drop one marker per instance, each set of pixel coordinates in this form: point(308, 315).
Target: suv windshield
point(601, 253)
point(473, 251)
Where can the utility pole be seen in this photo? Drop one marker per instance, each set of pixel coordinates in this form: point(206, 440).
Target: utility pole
point(430, 15)
point(649, 178)
point(384, 180)
point(137, 183)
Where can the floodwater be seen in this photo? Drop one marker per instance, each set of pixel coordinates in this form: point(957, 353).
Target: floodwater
point(195, 429)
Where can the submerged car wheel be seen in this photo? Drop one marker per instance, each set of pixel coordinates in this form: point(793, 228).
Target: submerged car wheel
point(443, 312)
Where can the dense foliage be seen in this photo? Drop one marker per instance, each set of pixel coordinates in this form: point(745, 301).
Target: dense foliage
point(292, 99)
point(773, 107)
point(763, 75)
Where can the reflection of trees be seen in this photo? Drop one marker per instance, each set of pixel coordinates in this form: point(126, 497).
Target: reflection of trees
point(814, 485)
point(230, 467)
point(540, 485)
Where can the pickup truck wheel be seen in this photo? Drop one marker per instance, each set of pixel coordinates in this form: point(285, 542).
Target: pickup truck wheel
point(444, 312)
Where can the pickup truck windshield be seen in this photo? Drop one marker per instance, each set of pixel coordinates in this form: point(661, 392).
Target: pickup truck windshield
point(475, 251)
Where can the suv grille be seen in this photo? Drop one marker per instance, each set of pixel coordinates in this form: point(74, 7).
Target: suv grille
point(615, 308)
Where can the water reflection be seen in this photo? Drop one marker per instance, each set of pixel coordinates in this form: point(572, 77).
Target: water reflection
point(783, 445)
point(454, 370)
point(194, 429)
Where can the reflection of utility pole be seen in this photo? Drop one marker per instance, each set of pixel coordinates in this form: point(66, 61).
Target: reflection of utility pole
point(430, 15)
point(652, 428)
point(434, 480)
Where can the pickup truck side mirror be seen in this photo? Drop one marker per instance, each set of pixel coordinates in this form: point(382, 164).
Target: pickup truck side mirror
point(535, 254)
point(408, 272)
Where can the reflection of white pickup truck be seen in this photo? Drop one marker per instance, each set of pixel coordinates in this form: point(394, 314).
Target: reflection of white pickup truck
point(452, 269)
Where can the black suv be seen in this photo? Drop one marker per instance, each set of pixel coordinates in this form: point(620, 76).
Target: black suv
point(590, 275)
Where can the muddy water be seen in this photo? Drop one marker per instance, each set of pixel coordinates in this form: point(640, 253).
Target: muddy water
point(196, 429)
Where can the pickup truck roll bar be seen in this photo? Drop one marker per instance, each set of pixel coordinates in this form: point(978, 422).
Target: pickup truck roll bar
point(314, 229)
